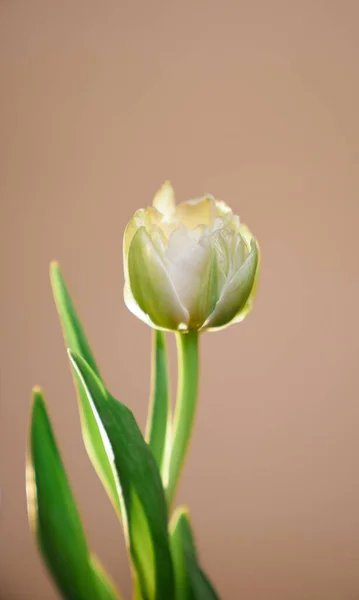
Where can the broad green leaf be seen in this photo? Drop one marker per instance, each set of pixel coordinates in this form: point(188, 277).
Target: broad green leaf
point(201, 587)
point(191, 582)
point(143, 505)
point(103, 581)
point(76, 340)
point(159, 412)
point(182, 587)
point(55, 519)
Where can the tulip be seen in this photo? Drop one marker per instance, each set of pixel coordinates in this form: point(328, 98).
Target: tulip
point(190, 267)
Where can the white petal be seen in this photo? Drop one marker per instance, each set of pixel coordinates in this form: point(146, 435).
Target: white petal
point(185, 260)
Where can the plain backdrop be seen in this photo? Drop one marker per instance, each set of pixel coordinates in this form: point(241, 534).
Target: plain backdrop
point(257, 103)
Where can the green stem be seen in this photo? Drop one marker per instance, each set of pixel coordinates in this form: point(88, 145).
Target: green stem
point(158, 422)
point(187, 392)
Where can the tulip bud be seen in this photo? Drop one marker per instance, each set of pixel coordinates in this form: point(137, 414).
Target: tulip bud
point(189, 267)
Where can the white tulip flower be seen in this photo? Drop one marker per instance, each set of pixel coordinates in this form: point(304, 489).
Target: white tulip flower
point(189, 267)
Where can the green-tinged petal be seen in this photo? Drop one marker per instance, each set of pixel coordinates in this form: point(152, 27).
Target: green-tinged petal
point(54, 517)
point(151, 285)
point(164, 200)
point(144, 507)
point(76, 340)
point(243, 312)
point(133, 306)
point(235, 293)
point(191, 582)
point(144, 217)
point(159, 417)
point(209, 285)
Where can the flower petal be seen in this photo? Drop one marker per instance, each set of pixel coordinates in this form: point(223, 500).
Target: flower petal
point(194, 265)
point(236, 293)
point(133, 306)
point(212, 282)
point(186, 260)
point(151, 286)
point(243, 312)
point(201, 211)
point(164, 200)
point(246, 234)
point(144, 217)
point(225, 212)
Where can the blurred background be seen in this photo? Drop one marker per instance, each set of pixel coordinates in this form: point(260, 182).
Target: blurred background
point(257, 103)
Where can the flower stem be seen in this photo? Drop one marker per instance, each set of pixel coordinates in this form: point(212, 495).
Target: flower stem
point(158, 422)
point(187, 392)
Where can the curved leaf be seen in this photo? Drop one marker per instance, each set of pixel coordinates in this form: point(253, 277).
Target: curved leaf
point(76, 340)
point(143, 503)
point(54, 517)
point(191, 581)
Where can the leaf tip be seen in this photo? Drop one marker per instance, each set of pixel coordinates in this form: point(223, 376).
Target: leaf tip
point(54, 265)
point(181, 514)
point(55, 273)
point(37, 395)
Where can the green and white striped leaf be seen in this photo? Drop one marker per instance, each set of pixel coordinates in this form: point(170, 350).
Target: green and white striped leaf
point(54, 517)
point(143, 504)
point(76, 340)
point(190, 581)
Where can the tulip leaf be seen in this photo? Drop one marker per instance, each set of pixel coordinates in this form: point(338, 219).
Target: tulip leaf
point(190, 581)
point(143, 504)
point(159, 411)
point(55, 519)
point(76, 340)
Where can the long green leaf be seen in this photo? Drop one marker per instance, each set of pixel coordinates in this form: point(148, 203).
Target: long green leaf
point(144, 508)
point(191, 581)
point(159, 412)
point(55, 519)
point(76, 340)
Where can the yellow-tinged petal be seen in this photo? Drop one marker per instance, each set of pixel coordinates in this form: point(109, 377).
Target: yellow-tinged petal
point(246, 234)
point(151, 285)
point(164, 200)
point(201, 211)
point(236, 293)
point(222, 208)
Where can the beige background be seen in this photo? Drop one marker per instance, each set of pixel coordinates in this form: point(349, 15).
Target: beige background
point(256, 102)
